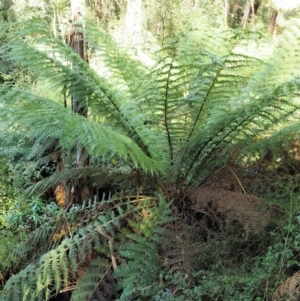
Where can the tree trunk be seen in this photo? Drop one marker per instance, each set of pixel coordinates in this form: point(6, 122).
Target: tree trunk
point(226, 11)
point(79, 191)
point(273, 21)
point(246, 15)
point(250, 11)
point(75, 35)
point(133, 21)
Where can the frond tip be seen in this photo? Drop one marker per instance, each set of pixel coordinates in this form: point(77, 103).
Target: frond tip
point(289, 289)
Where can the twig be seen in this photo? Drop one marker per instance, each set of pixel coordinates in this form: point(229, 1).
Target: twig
point(267, 290)
point(110, 244)
point(238, 180)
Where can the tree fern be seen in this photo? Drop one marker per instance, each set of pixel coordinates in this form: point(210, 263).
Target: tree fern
point(194, 105)
point(175, 123)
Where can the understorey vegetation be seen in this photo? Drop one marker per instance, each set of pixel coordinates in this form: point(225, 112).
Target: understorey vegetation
point(127, 174)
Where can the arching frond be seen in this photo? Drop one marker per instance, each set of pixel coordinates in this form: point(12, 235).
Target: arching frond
point(189, 93)
point(42, 119)
point(55, 62)
point(60, 267)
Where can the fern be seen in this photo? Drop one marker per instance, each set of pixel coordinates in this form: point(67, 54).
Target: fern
point(193, 106)
point(54, 269)
point(175, 124)
point(59, 268)
point(142, 267)
point(96, 282)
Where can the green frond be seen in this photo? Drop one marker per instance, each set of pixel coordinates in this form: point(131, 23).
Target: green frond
point(142, 267)
point(65, 71)
point(56, 122)
point(53, 269)
point(95, 281)
point(88, 230)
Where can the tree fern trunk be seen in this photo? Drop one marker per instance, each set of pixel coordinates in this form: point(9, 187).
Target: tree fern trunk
point(80, 190)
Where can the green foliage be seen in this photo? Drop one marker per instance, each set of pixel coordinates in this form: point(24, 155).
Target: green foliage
point(27, 214)
point(170, 125)
point(93, 277)
point(187, 294)
point(9, 240)
point(53, 268)
point(181, 120)
point(282, 257)
point(142, 268)
point(6, 193)
point(249, 280)
point(69, 252)
point(34, 225)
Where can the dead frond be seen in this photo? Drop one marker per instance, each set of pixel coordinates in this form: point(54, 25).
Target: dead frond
point(222, 205)
point(289, 290)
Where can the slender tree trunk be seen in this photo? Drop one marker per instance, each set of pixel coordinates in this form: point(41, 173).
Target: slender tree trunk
point(247, 13)
point(76, 38)
point(253, 13)
point(133, 21)
point(226, 11)
point(272, 23)
point(250, 11)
